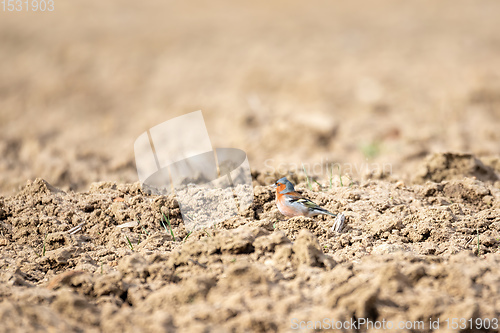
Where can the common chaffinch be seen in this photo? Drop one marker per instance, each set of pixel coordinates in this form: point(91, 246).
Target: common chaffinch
point(291, 203)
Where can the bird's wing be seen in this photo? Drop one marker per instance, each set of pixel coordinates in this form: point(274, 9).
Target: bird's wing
point(303, 201)
point(307, 204)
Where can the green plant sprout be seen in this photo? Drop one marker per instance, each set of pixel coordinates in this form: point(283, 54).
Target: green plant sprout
point(144, 229)
point(477, 232)
point(340, 176)
point(43, 246)
point(307, 177)
point(207, 233)
point(129, 243)
point(189, 233)
point(371, 150)
point(351, 182)
point(169, 226)
point(331, 176)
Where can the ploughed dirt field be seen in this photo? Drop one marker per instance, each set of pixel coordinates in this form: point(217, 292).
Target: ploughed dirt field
point(391, 109)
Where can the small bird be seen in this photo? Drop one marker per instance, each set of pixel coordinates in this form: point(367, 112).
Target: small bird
point(291, 203)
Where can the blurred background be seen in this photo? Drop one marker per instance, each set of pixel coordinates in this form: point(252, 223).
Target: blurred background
point(289, 82)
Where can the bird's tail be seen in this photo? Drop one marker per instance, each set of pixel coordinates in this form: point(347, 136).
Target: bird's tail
point(323, 211)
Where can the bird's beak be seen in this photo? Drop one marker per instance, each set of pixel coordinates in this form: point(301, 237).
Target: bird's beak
point(273, 186)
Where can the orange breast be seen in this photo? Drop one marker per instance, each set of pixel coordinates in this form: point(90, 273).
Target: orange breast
point(286, 210)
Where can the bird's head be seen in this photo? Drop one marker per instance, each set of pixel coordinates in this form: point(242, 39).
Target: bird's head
point(283, 186)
